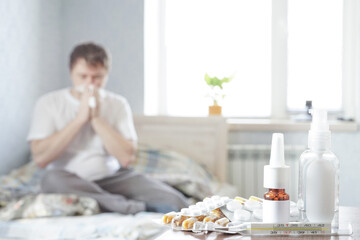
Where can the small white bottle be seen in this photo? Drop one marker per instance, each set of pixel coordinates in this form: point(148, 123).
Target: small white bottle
point(318, 199)
point(276, 204)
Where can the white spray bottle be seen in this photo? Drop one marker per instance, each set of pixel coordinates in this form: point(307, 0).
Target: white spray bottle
point(276, 204)
point(318, 199)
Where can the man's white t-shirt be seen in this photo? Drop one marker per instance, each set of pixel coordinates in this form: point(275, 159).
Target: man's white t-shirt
point(86, 155)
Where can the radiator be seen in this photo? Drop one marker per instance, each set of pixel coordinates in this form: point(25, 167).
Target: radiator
point(246, 168)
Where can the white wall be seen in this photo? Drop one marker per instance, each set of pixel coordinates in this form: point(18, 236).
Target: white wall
point(29, 60)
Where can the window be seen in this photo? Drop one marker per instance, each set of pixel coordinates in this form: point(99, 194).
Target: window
point(281, 54)
point(315, 54)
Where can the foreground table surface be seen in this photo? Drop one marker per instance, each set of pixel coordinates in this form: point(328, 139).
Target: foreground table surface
point(346, 214)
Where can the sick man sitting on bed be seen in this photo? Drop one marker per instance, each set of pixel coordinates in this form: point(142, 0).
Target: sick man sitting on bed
point(83, 147)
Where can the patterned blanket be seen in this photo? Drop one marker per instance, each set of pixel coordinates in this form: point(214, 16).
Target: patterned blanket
point(20, 198)
point(181, 172)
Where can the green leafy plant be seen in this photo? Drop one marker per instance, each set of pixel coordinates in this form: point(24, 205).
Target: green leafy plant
point(216, 87)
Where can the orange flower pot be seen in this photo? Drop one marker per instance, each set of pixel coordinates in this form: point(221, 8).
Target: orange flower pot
point(214, 110)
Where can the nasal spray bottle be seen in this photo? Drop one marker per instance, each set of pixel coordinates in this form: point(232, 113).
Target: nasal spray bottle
point(276, 204)
point(318, 199)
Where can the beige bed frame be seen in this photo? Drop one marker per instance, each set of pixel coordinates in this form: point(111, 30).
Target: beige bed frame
point(204, 139)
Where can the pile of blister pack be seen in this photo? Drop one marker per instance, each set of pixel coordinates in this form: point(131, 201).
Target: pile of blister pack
point(219, 213)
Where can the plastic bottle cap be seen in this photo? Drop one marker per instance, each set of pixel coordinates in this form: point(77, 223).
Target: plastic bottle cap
point(277, 174)
point(319, 120)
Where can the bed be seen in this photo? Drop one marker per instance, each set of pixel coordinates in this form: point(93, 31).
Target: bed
point(188, 153)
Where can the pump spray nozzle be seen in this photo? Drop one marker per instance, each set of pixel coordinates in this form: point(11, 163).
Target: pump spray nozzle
point(277, 150)
point(319, 120)
point(319, 134)
point(276, 174)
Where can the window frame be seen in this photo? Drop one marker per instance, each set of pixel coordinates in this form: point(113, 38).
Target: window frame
point(350, 65)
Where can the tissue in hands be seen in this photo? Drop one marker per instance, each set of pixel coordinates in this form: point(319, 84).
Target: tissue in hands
point(92, 99)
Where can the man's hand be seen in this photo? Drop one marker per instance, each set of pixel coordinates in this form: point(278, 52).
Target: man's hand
point(114, 143)
point(95, 112)
point(83, 115)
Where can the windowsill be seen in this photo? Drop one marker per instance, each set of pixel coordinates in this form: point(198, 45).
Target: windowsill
point(236, 124)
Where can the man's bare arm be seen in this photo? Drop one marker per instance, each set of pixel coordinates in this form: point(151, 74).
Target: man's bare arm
point(116, 145)
point(48, 149)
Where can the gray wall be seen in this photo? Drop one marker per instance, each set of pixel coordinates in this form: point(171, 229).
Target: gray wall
point(118, 25)
point(36, 37)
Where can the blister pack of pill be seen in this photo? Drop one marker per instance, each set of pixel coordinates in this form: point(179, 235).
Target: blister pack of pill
point(218, 212)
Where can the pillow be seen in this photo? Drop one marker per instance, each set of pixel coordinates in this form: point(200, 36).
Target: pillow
point(19, 182)
point(175, 169)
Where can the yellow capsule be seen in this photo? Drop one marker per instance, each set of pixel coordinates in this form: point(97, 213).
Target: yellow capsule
point(178, 220)
point(189, 223)
point(218, 213)
point(222, 221)
point(241, 200)
point(210, 218)
point(256, 199)
point(200, 218)
point(167, 218)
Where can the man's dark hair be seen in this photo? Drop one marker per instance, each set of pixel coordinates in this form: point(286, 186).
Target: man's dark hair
point(92, 53)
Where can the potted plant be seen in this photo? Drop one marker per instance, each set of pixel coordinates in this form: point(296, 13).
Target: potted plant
point(216, 92)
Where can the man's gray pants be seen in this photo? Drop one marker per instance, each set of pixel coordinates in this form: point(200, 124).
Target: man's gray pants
point(125, 192)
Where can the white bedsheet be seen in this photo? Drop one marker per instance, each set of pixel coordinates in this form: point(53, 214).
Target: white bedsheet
point(102, 226)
